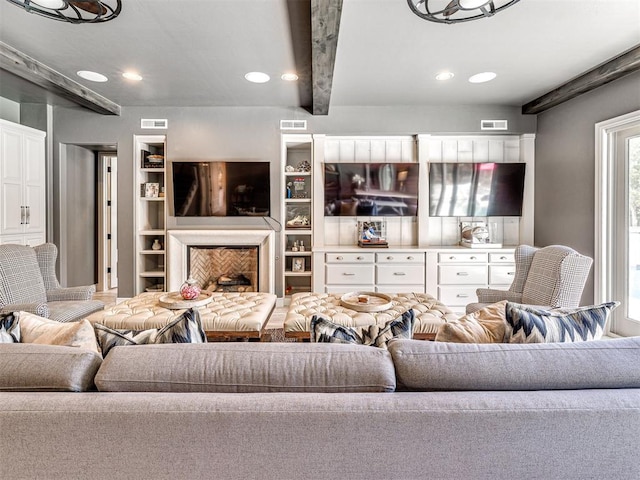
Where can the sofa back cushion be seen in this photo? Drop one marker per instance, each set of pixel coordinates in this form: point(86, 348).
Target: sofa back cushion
point(20, 277)
point(247, 367)
point(426, 366)
point(48, 368)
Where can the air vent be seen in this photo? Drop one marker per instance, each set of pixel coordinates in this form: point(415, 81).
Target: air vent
point(154, 123)
point(493, 125)
point(293, 124)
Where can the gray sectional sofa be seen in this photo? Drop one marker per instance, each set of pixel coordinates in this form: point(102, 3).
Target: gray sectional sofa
point(421, 410)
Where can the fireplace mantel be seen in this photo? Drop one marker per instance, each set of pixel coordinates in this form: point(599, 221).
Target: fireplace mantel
point(179, 240)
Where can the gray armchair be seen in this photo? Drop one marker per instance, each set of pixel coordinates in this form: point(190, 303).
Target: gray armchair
point(28, 282)
point(552, 276)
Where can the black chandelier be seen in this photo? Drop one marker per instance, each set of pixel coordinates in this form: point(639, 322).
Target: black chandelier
point(84, 11)
point(456, 11)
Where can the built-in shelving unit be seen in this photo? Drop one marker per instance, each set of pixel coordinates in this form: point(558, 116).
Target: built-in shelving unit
point(297, 214)
point(150, 212)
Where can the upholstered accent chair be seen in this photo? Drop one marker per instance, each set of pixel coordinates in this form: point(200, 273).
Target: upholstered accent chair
point(28, 282)
point(552, 276)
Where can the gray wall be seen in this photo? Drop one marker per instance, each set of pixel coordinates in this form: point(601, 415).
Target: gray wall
point(565, 166)
point(249, 133)
point(76, 197)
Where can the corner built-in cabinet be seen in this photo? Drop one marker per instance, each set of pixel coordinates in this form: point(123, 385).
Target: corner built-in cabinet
point(150, 212)
point(22, 184)
point(297, 190)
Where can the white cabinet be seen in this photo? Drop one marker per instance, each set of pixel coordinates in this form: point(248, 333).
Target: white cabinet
point(297, 213)
point(22, 184)
point(454, 274)
point(150, 212)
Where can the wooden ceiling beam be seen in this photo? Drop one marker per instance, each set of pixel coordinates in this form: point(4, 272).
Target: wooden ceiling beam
point(325, 25)
point(17, 63)
point(624, 64)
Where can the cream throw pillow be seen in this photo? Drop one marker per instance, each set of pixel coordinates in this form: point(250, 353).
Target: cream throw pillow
point(486, 325)
point(35, 329)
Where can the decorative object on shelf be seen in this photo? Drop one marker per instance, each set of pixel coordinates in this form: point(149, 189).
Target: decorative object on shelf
point(299, 190)
point(299, 221)
point(301, 246)
point(150, 190)
point(294, 248)
point(457, 11)
point(84, 11)
point(289, 169)
point(289, 194)
point(158, 287)
point(366, 301)
point(372, 234)
point(156, 244)
point(297, 264)
point(189, 289)
point(477, 235)
point(303, 166)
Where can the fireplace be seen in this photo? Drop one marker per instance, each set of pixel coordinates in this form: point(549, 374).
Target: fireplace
point(224, 269)
point(256, 248)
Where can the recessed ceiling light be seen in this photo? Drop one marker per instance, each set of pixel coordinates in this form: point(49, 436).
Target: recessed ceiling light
point(257, 77)
point(132, 76)
point(482, 77)
point(289, 77)
point(92, 76)
point(444, 76)
point(52, 4)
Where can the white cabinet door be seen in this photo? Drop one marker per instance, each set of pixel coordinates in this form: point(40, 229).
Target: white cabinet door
point(12, 213)
point(34, 184)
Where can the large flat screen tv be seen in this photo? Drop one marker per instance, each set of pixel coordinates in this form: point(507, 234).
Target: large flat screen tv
point(220, 189)
point(476, 189)
point(371, 189)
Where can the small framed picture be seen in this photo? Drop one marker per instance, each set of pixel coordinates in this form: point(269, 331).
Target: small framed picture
point(297, 264)
point(151, 189)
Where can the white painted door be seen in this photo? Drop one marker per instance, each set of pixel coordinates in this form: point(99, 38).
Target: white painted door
point(626, 232)
point(34, 184)
point(13, 214)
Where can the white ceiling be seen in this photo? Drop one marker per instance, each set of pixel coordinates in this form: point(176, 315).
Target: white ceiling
point(196, 52)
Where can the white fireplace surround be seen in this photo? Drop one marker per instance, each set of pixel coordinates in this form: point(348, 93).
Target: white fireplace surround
point(179, 240)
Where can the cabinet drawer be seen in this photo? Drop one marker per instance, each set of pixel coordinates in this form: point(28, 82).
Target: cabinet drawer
point(464, 257)
point(342, 289)
point(502, 258)
point(501, 274)
point(412, 288)
point(462, 274)
point(349, 257)
point(349, 274)
point(457, 296)
point(399, 274)
point(392, 257)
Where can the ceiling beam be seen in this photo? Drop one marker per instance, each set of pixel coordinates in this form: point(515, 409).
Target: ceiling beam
point(24, 66)
point(624, 64)
point(325, 25)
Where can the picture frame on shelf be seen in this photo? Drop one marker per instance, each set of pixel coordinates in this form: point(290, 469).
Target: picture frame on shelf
point(150, 190)
point(297, 264)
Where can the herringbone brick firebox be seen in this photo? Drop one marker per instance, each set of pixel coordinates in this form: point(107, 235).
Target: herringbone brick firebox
point(224, 269)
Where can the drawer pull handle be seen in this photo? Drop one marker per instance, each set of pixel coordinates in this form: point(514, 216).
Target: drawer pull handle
point(399, 273)
point(474, 258)
point(462, 295)
point(389, 257)
point(452, 258)
point(511, 273)
point(339, 258)
point(348, 274)
point(503, 258)
point(360, 258)
point(409, 258)
point(462, 274)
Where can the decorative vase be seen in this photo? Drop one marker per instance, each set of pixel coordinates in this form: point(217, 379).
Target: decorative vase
point(156, 245)
point(189, 289)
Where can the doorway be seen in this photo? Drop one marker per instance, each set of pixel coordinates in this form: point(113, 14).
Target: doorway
point(617, 265)
point(107, 235)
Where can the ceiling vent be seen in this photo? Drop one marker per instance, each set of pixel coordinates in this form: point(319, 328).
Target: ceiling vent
point(293, 124)
point(493, 125)
point(154, 123)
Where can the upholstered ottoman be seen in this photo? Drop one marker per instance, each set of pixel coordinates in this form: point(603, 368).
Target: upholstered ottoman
point(429, 313)
point(228, 315)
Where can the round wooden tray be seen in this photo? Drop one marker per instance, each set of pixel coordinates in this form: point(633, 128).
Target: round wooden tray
point(174, 301)
point(375, 302)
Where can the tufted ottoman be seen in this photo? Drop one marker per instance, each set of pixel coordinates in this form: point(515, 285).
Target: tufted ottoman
point(429, 313)
point(229, 315)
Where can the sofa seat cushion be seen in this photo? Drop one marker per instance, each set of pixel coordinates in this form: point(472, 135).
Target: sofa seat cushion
point(71, 310)
point(429, 366)
point(246, 368)
point(50, 368)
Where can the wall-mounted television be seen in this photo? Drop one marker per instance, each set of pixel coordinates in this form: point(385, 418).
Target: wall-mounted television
point(476, 189)
point(371, 189)
point(220, 189)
